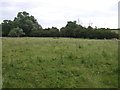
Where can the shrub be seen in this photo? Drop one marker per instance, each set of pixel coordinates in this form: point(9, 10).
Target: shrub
point(16, 32)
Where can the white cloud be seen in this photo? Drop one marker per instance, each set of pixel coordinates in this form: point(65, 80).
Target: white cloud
point(103, 13)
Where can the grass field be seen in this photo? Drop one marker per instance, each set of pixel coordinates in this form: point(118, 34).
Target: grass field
point(59, 63)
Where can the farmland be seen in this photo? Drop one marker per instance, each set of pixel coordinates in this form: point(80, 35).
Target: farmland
point(59, 63)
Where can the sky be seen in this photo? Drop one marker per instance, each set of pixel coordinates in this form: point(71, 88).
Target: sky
point(100, 13)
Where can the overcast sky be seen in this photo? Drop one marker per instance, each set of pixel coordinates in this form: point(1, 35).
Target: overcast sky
point(100, 13)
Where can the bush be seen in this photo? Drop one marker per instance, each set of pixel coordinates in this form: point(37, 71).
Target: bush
point(16, 32)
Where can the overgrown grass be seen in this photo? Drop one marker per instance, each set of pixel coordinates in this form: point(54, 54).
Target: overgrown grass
point(59, 63)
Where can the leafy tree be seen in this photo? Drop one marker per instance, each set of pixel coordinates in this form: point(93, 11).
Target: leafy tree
point(36, 33)
point(26, 22)
point(16, 32)
point(27, 25)
point(0, 30)
point(89, 28)
point(68, 30)
point(77, 31)
point(63, 32)
point(7, 25)
point(54, 32)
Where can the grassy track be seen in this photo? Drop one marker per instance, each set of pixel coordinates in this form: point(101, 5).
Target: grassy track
point(59, 62)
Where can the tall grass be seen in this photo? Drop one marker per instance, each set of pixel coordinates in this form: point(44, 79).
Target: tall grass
point(59, 63)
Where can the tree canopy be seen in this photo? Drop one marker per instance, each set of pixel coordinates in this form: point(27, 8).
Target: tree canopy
point(24, 21)
point(16, 32)
point(25, 24)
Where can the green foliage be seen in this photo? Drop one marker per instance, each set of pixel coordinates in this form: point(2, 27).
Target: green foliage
point(23, 21)
point(59, 63)
point(35, 33)
point(16, 32)
point(77, 31)
point(68, 30)
point(31, 27)
point(54, 32)
point(47, 32)
point(7, 25)
point(26, 22)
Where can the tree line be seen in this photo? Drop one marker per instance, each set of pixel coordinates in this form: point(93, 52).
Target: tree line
point(25, 25)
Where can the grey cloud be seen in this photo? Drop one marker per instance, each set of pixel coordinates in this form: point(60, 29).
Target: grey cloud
point(8, 10)
point(96, 14)
point(49, 12)
point(23, 5)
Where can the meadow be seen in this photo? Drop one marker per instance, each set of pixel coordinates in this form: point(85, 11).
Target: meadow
point(59, 63)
